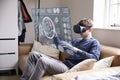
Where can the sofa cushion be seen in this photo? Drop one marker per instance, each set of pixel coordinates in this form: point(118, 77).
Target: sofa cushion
point(46, 78)
point(47, 50)
point(84, 65)
point(116, 61)
point(104, 63)
point(24, 49)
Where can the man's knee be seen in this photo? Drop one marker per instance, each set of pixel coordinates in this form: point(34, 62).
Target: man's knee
point(34, 55)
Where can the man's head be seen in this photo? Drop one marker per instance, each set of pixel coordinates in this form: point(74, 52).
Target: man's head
point(84, 27)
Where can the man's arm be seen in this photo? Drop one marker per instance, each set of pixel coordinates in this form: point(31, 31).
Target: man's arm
point(94, 52)
point(63, 45)
point(56, 40)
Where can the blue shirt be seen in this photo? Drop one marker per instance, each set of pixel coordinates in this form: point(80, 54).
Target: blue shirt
point(88, 49)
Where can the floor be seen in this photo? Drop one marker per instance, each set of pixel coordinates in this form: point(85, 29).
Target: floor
point(9, 75)
point(12, 77)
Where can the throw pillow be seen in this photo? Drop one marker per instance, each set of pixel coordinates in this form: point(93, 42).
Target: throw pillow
point(116, 61)
point(104, 63)
point(45, 49)
point(84, 65)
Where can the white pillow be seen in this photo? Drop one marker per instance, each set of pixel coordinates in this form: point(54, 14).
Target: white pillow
point(84, 65)
point(104, 63)
point(47, 50)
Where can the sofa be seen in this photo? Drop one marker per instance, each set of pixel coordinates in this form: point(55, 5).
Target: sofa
point(106, 51)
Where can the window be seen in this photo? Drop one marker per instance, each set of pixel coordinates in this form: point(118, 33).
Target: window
point(113, 9)
point(107, 13)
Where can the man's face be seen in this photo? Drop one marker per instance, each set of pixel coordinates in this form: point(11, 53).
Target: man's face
point(85, 34)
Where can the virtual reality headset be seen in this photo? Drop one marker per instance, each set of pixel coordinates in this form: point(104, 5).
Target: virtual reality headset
point(80, 29)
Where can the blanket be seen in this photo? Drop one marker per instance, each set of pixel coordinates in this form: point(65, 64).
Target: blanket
point(93, 77)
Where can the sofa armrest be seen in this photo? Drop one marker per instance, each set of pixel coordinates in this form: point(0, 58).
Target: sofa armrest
point(24, 49)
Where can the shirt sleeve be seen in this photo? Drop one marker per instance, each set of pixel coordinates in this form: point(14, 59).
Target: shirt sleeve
point(56, 40)
point(94, 53)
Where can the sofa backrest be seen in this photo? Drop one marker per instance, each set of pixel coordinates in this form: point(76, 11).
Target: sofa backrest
point(107, 51)
point(24, 49)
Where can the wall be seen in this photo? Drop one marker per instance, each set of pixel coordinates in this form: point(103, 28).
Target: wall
point(83, 9)
point(50, 3)
point(30, 34)
point(107, 36)
point(79, 9)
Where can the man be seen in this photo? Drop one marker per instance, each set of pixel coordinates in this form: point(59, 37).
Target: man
point(83, 48)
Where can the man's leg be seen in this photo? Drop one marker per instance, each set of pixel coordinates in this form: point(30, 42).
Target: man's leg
point(30, 65)
point(49, 65)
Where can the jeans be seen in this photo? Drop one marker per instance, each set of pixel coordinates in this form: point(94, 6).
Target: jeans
point(38, 63)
